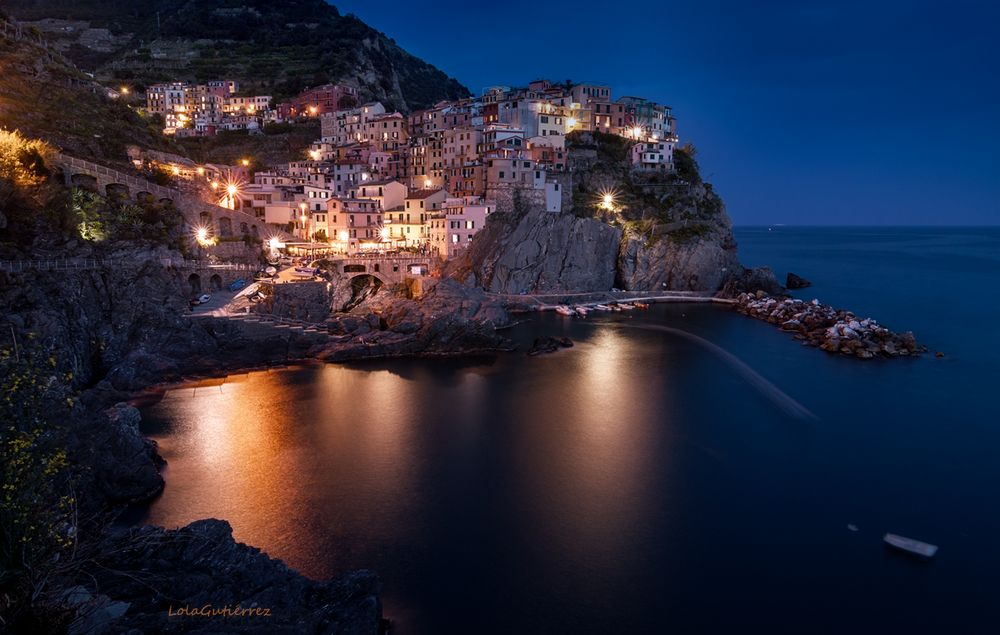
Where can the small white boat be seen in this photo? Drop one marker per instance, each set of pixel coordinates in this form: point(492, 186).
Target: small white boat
point(582, 311)
point(910, 545)
point(627, 307)
point(602, 307)
point(564, 310)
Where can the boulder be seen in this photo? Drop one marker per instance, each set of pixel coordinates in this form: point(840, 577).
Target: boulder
point(793, 281)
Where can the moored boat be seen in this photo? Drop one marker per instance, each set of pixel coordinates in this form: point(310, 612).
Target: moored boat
point(582, 311)
point(641, 305)
point(909, 545)
point(602, 307)
point(627, 306)
point(562, 309)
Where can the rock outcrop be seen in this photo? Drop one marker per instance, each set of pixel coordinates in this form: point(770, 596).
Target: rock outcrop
point(793, 281)
point(537, 251)
point(171, 581)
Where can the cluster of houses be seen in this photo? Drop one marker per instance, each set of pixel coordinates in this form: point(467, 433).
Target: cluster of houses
point(205, 109)
point(379, 180)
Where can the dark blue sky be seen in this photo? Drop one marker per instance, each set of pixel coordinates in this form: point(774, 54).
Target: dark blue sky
point(844, 112)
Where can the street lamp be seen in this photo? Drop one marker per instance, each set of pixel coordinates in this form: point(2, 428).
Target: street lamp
point(245, 162)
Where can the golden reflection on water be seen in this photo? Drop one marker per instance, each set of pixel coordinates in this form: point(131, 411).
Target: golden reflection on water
point(311, 463)
point(589, 473)
point(269, 456)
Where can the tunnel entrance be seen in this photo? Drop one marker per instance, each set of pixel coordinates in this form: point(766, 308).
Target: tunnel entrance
point(215, 282)
point(195, 281)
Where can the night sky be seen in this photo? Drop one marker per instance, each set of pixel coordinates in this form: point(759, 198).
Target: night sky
point(847, 113)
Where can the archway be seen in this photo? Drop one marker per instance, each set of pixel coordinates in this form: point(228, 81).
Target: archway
point(225, 227)
point(215, 282)
point(117, 190)
point(85, 181)
point(244, 230)
point(195, 281)
point(362, 288)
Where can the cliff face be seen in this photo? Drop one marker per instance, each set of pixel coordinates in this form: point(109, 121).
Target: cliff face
point(538, 251)
point(661, 233)
point(698, 254)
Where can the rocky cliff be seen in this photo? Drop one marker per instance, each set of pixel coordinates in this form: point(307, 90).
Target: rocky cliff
point(659, 233)
point(531, 250)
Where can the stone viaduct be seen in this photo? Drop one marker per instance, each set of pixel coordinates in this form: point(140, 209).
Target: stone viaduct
point(219, 221)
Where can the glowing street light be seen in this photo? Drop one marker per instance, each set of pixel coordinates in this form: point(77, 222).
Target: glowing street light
point(274, 243)
point(343, 235)
point(637, 132)
point(312, 110)
point(232, 189)
point(215, 185)
point(202, 234)
point(384, 233)
point(607, 200)
point(245, 162)
point(427, 184)
point(314, 155)
point(124, 90)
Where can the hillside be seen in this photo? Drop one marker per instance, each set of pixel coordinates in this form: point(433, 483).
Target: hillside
point(44, 96)
point(276, 48)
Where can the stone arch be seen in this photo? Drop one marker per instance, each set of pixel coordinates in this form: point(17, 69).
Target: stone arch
point(143, 197)
point(376, 277)
point(225, 226)
point(244, 230)
point(166, 202)
point(195, 281)
point(85, 181)
point(117, 190)
point(215, 282)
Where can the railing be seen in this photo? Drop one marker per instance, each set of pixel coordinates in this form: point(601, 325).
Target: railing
point(78, 264)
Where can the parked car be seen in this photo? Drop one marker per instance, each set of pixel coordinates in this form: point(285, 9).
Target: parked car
point(238, 284)
point(203, 298)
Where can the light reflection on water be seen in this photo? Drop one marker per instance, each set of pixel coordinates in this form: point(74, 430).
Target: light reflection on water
point(632, 482)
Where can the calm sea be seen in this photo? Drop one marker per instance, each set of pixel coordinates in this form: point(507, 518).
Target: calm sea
point(638, 482)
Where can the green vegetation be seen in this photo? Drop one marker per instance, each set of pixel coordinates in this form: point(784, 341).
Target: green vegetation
point(38, 506)
point(685, 163)
point(111, 218)
point(280, 143)
point(45, 97)
point(679, 206)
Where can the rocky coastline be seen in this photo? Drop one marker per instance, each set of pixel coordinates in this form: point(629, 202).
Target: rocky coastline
point(832, 330)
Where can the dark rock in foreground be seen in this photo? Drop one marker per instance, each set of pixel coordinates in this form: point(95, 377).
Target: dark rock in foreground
point(833, 330)
point(158, 578)
point(793, 281)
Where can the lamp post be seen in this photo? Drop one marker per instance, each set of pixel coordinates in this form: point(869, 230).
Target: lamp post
point(305, 219)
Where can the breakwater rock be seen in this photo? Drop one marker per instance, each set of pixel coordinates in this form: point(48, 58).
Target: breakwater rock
point(833, 330)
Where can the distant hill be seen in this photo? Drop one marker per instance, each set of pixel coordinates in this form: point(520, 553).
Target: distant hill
point(272, 47)
point(45, 96)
